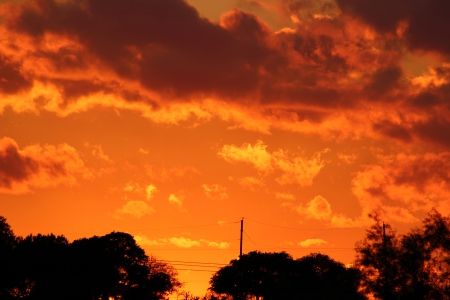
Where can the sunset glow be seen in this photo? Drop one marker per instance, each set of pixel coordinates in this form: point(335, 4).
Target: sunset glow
point(172, 120)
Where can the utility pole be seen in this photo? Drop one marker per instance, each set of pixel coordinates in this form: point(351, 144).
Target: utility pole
point(242, 230)
point(387, 292)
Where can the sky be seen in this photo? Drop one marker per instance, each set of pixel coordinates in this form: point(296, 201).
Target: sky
point(174, 120)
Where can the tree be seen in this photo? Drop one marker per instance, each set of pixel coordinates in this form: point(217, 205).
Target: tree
point(278, 276)
point(107, 267)
point(7, 244)
point(39, 267)
point(115, 266)
point(325, 278)
point(413, 266)
point(378, 258)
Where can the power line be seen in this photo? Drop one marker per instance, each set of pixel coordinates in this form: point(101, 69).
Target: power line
point(196, 270)
point(160, 228)
point(194, 262)
point(297, 228)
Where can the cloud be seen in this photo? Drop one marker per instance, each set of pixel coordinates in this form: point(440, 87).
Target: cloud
point(341, 72)
point(347, 158)
point(143, 151)
point(295, 169)
point(318, 208)
point(136, 188)
point(215, 191)
point(38, 166)
point(134, 208)
point(253, 154)
point(312, 242)
point(184, 242)
point(284, 196)
point(413, 21)
point(403, 184)
point(98, 152)
point(181, 242)
point(177, 200)
point(149, 191)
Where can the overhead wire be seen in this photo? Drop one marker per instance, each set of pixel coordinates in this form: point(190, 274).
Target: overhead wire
point(297, 228)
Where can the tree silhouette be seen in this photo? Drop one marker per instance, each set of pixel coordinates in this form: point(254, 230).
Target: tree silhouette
point(278, 276)
point(39, 266)
point(7, 244)
point(379, 257)
point(413, 266)
point(325, 278)
point(48, 267)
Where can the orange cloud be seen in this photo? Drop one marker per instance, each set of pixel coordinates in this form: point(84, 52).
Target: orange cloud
point(402, 185)
point(335, 74)
point(38, 166)
point(181, 242)
point(215, 191)
point(255, 155)
point(147, 191)
point(134, 208)
point(284, 196)
point(295, 169)
point(312, 242)
point(177, 200)
point(318, 208)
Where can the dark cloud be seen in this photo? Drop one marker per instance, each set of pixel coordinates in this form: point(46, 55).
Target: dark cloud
point(423, 170)
point(383, 81)
point(170, 49)
point(11, 79)
point(392, 130)
point(425, 100)
point(435, 130)
point(37, 166)
point(15, 167)
point(427, 20)
point(163, 43)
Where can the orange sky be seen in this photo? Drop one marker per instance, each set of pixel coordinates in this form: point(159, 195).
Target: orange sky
point(173, 120)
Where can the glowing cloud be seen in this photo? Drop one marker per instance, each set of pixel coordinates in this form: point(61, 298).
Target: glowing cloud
point(177, 200)
point(255, 155)
point(284, 196)
point(215, 191)
point(318, 208)
point(312, 242)
point(181, 242)
point(149, 191)
point(38, 166)
point(296, 169)
point(134, 208)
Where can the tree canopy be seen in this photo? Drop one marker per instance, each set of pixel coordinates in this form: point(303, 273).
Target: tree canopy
point(112, 266)
point(279, 276)
point(413, 266)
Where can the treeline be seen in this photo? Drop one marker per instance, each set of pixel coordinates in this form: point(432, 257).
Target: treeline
point(388, 266)
point(48, 267)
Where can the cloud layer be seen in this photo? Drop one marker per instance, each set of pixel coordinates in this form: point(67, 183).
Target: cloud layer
point(38, 166)
point(342, 67)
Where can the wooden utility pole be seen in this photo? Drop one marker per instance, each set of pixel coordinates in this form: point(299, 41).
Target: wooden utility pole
point(242, 230)
point(387, 292)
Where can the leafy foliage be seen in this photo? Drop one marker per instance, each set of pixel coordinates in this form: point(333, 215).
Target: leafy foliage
point(413, 266)
point(107, 267)
point(278, 276)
